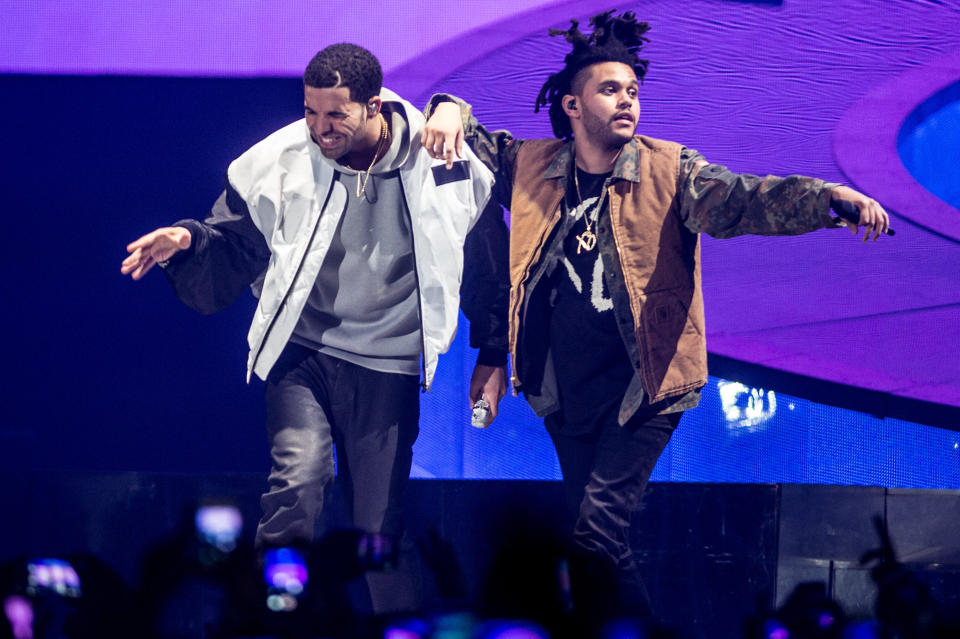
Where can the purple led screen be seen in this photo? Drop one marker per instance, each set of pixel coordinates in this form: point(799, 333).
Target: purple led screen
point(762, 87)
point(224, 38)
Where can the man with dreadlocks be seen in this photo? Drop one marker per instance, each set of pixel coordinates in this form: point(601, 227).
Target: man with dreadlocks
point(606, 323)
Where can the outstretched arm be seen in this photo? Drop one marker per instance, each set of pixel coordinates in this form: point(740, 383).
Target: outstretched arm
point(210, 262)
point(721, 203)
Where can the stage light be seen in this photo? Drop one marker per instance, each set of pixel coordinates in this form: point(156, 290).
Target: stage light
point(511, 629)
point(406, 629)
point(19, 614)
point(866, 629)
point(54, 575)
point(773, 629)
point(219, 526)
point(826, 620)
point(453, 625)
point(285, 572)
point(625, 629)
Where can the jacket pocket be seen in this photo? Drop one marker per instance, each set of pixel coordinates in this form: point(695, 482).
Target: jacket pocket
point(672, 343)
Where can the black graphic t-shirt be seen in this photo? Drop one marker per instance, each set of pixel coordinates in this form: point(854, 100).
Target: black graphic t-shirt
point(590, 360)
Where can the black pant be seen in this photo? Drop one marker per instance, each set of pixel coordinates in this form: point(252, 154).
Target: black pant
point(316, 402)
point(604, 476)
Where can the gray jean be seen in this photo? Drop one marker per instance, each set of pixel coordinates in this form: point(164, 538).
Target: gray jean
point(315, 402)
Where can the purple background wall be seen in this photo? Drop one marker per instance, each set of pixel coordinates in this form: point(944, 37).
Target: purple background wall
point(224, 38)
point(104, 373)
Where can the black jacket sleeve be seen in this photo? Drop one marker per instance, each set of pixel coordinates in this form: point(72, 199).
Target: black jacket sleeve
point(227, 253)
point(485, 290)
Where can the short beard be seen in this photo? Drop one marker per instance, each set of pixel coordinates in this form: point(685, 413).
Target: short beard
point(600, 132)
point(609, 139)
point(616, 141)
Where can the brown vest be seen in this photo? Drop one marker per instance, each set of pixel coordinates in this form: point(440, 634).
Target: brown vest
point(659, 257)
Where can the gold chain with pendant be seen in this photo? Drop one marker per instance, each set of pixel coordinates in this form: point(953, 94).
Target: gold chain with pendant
point(588, 239)
point(384, 134)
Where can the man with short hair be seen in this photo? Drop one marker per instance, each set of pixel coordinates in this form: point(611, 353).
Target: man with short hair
point(352, 237)
point(606, 324)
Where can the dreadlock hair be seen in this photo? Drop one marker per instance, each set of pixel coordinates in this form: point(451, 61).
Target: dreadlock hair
point(614, 39)
point(345, 65)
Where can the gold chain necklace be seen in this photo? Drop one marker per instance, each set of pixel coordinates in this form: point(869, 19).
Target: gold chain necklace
point(588, 239)
point(384, 134)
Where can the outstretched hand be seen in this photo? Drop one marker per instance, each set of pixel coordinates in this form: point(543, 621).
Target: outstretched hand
point(872, 216)
point(490, 383)
point(156, 246)
point(443, 133)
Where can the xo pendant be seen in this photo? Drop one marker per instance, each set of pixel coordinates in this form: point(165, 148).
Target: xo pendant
point(586, 241)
